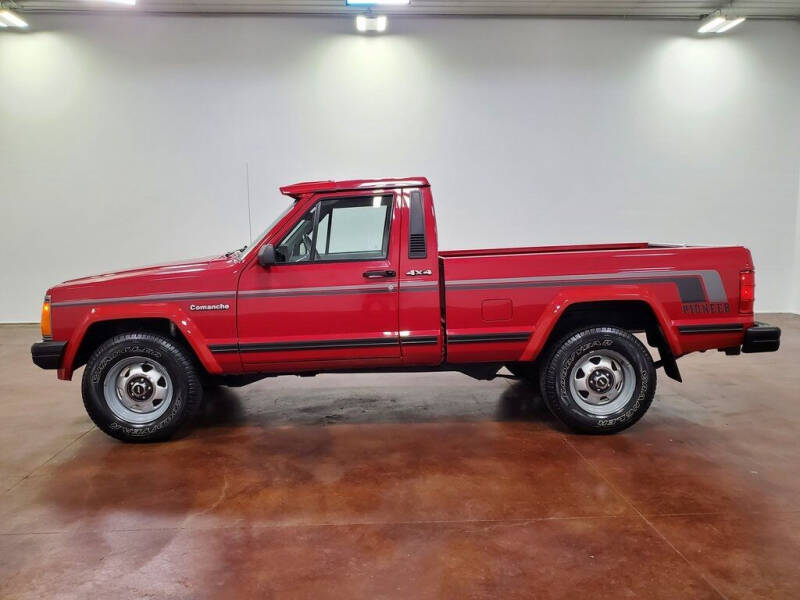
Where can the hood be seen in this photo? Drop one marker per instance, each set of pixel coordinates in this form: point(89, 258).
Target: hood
point(182, 269)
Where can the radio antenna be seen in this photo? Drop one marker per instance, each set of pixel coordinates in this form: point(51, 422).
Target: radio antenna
point(249, 215)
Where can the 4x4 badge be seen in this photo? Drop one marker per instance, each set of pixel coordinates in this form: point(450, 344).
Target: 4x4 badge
point(415, 272)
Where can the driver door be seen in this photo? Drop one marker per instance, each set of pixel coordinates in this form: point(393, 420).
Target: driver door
point(332, 296)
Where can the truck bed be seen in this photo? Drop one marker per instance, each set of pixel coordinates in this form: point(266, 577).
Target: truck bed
point(500, 298)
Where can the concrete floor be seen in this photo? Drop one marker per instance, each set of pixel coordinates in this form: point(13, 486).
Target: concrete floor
point(407, 486)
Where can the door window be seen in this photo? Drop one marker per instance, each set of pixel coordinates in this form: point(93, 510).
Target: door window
point(353, 228)
point(340, 229)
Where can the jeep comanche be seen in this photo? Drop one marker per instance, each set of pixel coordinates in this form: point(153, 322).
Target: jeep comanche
point(350, 278)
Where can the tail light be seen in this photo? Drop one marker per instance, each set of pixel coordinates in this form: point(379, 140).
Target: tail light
point(747, 291)
point(47, 325)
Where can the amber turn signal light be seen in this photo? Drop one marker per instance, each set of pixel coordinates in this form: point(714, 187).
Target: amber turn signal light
point(47, 325)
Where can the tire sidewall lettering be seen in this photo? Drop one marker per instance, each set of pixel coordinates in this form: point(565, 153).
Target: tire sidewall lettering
point(565, 404)
point(124, 350)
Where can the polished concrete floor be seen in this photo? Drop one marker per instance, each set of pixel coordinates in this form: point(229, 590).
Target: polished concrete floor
point(407, 486)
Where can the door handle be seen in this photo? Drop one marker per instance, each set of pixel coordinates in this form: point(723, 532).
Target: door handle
point(379, 274)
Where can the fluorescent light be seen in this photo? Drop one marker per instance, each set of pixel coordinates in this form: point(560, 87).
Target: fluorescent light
point(3, 24)
point(125, 2)
point(719, 22)
point(730, 24)
point(711, 24)
point(377, 2)
point(11, 19)
point(376, 201)
point(376, 24)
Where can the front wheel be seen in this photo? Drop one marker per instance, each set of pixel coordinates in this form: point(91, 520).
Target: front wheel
point(140, 387)
point(598, 380)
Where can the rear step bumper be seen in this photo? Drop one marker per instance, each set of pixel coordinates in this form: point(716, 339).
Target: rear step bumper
point(47, 355)
point(761, 337)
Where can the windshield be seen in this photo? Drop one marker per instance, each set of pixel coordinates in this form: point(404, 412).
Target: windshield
point(266, 230)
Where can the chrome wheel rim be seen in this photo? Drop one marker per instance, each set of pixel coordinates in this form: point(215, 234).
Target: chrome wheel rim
point(602, 382)
point(138, 390)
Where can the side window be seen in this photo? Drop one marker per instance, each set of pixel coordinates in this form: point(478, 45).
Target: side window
point(346, 229)
point(353, 228)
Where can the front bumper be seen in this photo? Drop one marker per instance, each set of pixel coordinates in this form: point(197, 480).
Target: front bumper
point(761, 337)
point(47, 355)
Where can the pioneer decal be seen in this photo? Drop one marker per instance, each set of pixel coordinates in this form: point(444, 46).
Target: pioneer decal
point(705, 308)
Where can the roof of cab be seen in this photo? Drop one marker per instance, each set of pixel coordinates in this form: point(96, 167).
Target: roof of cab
point(310, 187)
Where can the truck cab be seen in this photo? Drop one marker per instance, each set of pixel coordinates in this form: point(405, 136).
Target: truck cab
point(364, 278)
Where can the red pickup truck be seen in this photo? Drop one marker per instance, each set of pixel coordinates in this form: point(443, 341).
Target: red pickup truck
point(350, 278)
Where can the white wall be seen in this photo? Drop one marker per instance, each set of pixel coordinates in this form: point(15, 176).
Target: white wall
point(796, 276)
point(124, 140)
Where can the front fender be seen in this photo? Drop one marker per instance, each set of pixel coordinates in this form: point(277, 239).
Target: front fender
point(568, 297)
point(174, 314)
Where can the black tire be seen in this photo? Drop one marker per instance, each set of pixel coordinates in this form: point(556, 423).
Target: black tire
point(528, 371)
point(563, 374)
point(183, 390)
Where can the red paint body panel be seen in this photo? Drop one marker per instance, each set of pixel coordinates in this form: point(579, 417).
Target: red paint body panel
point(494, 305)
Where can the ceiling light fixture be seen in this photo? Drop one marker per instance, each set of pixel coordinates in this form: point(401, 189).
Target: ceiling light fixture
point(8, 18)
point(719, 22)
point(377, 2)
point(366, 23)
point(125, 2)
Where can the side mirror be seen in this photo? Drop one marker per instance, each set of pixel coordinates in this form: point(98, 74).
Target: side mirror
point(266, 256)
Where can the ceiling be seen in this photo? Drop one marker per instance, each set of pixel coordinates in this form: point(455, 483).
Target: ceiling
point(574, 8)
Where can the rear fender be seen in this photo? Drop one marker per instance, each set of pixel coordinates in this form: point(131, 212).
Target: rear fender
point(173, 314)
point(568, 297)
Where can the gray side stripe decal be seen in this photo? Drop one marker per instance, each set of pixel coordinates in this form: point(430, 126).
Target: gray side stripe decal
point(379, 288)
point(148, 298)
point(688, 282)
point(418, 286)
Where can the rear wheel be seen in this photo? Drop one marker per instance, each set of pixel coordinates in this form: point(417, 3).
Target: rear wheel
point(598, 380)
point(140, 387)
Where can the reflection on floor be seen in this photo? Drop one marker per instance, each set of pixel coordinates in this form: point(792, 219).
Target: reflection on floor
point(407, 486)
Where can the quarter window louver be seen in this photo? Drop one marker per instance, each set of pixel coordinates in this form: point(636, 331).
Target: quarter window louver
point(417, 244)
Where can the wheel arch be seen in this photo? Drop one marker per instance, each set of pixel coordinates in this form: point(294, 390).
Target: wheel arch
point(634, 310)
point(100, 325)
